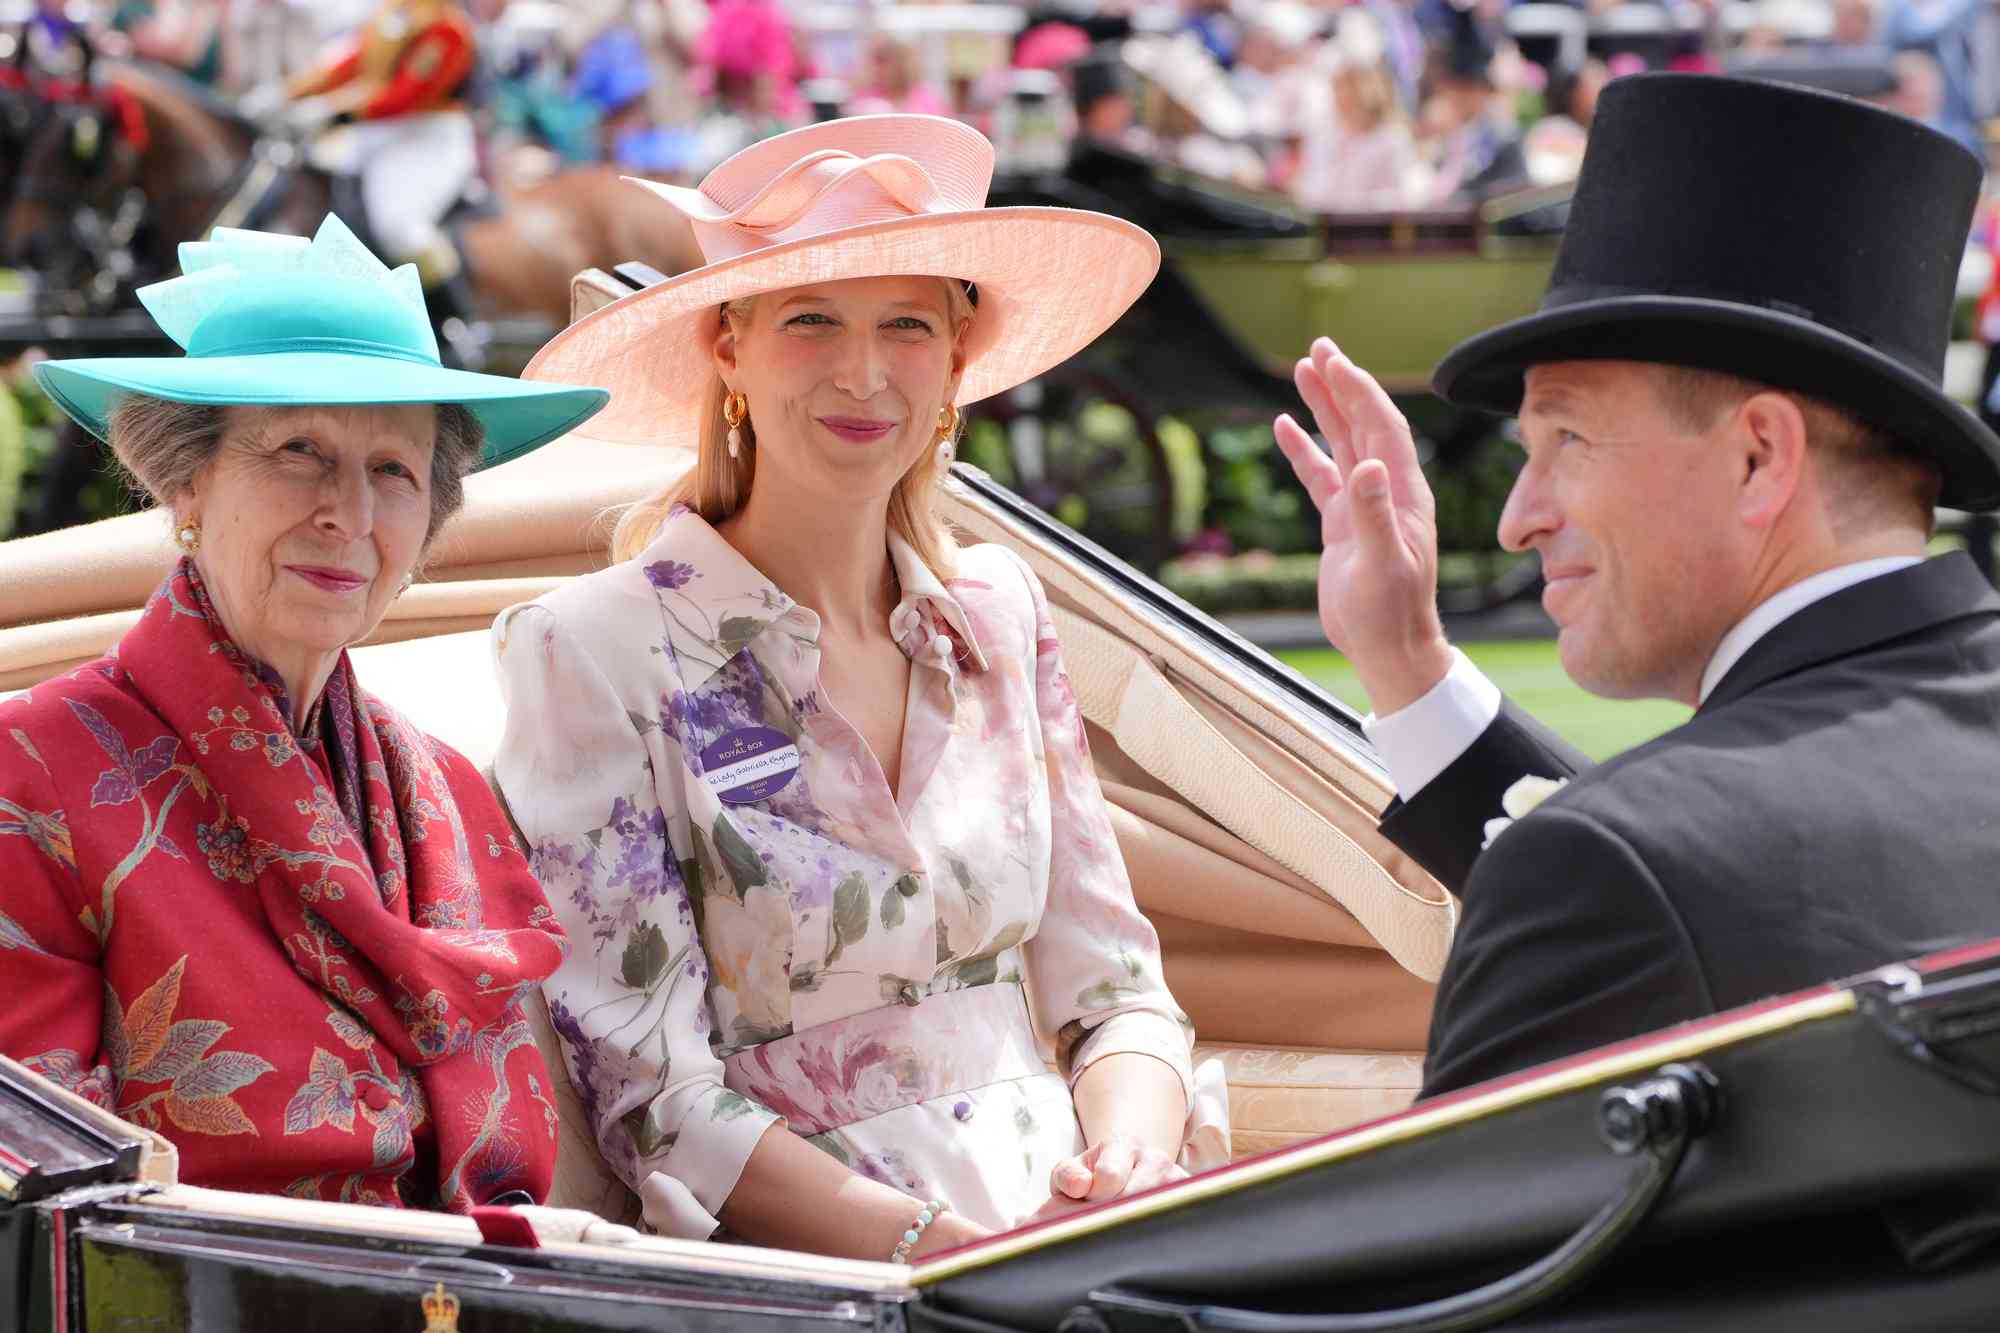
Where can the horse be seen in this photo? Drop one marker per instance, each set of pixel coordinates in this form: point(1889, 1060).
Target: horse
point(108, 185)
point(22, 112)
point(197, 165)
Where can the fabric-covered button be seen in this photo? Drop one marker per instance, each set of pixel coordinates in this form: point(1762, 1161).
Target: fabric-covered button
point(375, 1096)
point(904, 621)
point(940, 647)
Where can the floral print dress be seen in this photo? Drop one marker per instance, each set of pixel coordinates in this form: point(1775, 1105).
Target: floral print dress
point(765, 934)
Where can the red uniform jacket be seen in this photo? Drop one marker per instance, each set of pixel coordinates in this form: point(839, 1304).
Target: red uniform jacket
point(428, 71)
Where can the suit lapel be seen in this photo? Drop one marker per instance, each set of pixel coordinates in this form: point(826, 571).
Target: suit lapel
point(1856, 618)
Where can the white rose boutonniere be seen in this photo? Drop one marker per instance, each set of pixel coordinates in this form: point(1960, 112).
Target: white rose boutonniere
point(1518, 800)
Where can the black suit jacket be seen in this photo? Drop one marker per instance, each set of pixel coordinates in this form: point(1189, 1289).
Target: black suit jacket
point(1833, 806)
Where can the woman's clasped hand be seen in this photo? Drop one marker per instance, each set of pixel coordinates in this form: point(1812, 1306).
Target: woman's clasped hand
point(1108, 1169)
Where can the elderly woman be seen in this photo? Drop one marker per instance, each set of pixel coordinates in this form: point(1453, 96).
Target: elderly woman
point(859, 969)
point(242, 902)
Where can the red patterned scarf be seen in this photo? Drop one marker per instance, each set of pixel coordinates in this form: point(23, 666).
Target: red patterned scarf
point(410, 906)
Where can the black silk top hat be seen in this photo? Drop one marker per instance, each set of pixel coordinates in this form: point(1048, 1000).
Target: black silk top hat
point(1792, 237)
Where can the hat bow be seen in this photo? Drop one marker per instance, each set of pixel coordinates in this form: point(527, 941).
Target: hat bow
point(810, 196)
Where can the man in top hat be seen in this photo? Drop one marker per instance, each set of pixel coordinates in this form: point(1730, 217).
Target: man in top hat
point(1735, 437)
point(1477, 147)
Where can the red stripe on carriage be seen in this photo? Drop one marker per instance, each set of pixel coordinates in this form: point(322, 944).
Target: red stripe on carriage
point(59, 1257)
point(1959, 957)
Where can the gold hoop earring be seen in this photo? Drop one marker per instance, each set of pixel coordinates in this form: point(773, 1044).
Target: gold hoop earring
point(947, 427)
point(735, 411)
point(188, 536)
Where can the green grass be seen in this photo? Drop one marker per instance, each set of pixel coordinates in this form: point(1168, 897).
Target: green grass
point(1528, 672)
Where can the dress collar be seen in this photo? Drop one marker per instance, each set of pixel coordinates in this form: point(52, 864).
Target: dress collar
point(716, 602)
point(915, 630)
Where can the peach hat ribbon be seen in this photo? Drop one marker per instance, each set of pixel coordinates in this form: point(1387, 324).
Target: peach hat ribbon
point(833, 188)
point(765, 195)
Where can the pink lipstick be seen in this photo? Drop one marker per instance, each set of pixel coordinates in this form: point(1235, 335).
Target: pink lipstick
point(860, 430)
point(331, 580)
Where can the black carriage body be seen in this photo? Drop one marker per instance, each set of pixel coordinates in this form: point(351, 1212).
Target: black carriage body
point(1841, 1179)
point(132, 1267)
point(86, 1247)
point(1847, 1182)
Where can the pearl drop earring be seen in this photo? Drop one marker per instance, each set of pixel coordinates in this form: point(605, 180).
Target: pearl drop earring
point(735, 409)
point(946, 434)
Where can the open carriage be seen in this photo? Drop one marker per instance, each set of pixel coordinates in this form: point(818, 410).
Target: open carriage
point(1826, 1158)
point(1246, 283)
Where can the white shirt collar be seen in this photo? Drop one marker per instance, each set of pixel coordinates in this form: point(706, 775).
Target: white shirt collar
point(1786, 603)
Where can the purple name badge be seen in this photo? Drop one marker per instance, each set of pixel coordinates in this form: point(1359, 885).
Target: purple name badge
point(749, 764)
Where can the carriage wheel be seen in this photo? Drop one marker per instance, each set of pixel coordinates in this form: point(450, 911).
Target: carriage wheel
point(1077, 446)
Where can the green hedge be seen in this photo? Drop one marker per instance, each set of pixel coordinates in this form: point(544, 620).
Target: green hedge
point(1254, 581)
point(1260, 581)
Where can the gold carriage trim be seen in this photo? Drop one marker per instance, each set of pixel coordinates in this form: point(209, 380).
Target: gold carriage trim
point(1411, 1125)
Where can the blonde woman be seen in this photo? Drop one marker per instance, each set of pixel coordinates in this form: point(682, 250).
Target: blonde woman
point(807, 783)
point(1365, 161)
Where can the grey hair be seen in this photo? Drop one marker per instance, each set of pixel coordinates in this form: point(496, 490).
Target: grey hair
point(164, 445)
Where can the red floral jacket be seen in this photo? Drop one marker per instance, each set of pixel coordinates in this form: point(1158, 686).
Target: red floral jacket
point(300, 957)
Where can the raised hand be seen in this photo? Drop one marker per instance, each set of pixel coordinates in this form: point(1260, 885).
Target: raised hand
point(1378, 524)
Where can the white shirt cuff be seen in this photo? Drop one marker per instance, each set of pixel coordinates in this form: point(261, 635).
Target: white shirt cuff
point(1421, 740)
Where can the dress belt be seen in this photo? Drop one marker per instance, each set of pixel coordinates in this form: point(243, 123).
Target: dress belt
point(851, 1069)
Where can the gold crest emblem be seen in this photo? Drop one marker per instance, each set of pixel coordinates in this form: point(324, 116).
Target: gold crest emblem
point(440, 1311)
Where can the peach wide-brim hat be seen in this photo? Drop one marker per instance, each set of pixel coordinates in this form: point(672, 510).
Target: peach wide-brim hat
point(866, 196)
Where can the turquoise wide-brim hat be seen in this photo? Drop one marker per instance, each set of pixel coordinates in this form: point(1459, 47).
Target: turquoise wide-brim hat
point(279, 321)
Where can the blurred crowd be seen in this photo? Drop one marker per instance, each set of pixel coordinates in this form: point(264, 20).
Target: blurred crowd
point(1345, 105)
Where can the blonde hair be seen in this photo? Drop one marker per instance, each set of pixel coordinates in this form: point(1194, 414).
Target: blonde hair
point(716, 486)
point(1374, 90)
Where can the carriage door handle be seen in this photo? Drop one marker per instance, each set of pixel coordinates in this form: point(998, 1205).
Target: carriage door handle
point(1654, 1121)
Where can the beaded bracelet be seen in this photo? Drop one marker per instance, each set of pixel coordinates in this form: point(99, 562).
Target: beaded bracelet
point(928, 1214)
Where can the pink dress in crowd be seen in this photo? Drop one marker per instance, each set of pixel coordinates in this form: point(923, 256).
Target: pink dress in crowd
point(1343, 172)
